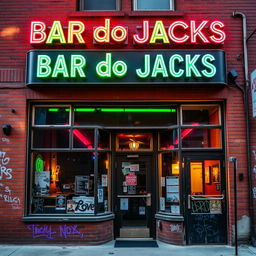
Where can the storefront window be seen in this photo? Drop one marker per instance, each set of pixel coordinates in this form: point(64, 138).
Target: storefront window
point(169, 188)
point(201, 138)
point(51, 115)
point(201, 115)
point(51, 138)
point(168, 139)
point(83, 138)
point(62, 183)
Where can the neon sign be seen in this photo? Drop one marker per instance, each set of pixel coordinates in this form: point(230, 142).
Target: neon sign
point(89, 67)
point(178, 32)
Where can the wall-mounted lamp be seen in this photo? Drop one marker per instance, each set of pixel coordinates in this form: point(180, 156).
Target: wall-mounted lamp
point(7, 129)
point(232, 75)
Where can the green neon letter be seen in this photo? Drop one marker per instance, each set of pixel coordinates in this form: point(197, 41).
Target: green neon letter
point(147, 67)
point(208, 65)
point(119, 68)
point(78, 62)
point(159, 33)
point(190, 65)
point(105, 65)
point(60, 67)
point(159, 66)
point(180, 59)
point(56, 33)
point(43, 66)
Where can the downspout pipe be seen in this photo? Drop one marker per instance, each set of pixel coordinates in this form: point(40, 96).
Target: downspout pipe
point(246, 109)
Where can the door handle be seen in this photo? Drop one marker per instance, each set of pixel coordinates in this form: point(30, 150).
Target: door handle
point(189, 202)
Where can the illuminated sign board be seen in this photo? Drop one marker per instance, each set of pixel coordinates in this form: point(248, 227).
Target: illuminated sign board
point(148, 33)
point(76, 67)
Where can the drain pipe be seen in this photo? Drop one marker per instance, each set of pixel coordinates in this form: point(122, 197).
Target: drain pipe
point(246, 105)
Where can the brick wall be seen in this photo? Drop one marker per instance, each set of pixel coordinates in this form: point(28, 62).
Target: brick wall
point(15, 18)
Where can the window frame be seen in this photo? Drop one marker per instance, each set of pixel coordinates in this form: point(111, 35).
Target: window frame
point(82, 8)
point(171, 2)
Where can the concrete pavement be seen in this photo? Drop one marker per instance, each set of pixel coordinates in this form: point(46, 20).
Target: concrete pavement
point(109, 250)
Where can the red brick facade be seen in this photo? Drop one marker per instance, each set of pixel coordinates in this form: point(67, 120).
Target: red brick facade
point(15, 18)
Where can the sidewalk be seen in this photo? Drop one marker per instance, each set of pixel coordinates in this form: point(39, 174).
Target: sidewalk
point(109, 250)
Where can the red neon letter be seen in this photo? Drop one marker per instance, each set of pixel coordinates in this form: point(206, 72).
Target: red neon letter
point(145, 37)
point(171, 33)
point(121, 37)
point(37, 34)
point(197, 31)
point(222, 35)
point(105, 30)
point(75, 32)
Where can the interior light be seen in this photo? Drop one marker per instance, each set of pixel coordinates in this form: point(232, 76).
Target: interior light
point(84, 109)
point(134, 145)
point(53, 109)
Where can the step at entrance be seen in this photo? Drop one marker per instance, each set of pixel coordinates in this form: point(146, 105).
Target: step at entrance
point(134, 232)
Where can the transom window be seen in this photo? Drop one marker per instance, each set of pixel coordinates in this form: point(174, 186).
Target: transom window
point(148, 5)
point(99, 5)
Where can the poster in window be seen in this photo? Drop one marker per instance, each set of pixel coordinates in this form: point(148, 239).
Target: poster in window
point(100, 195)
point(42, 183)
point(134, 167)
point(131, 179)
point(142, 210)
point(82, 185)
point(174, 197)
point(215, 207)
point(207, 175)
point(104, 180)
point(162, 204)
point(175, 209)
point(84, 204)
point(60, 202)
point(172, 180)
point(71, 206)
point(124, 204)
point(215, 174)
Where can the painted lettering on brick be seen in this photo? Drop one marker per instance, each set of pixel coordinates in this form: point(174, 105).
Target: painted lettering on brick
point(48, 232)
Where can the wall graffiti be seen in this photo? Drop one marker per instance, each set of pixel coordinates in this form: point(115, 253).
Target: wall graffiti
point(5, 175)
point(47, 231)
point(5, 172)
point(5, 140)
point(176, 228)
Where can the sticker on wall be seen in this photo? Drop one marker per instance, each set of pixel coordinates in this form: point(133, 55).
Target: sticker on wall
point(124, 204)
